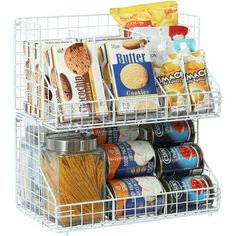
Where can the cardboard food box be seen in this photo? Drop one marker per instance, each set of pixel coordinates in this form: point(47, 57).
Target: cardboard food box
point(76, 80)
point(132, 77)
point(28, 97)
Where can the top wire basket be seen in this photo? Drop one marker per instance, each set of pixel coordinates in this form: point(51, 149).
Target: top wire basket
point(36, 100)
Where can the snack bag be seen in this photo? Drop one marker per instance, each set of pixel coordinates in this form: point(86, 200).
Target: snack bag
point(169, 72)
point(197, 80)
point(156, 14)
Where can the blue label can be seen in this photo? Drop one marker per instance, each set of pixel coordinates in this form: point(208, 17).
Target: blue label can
point(168, 133)
point(190, 193)
point(179, 161)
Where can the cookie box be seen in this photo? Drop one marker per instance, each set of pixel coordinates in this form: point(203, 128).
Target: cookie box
point(76, 80)
point(132, 76)
point(28, 100)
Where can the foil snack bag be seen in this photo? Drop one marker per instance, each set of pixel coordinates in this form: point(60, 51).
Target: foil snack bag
point(155, 14)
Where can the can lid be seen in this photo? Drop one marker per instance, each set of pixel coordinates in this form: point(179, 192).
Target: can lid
point(71, 142)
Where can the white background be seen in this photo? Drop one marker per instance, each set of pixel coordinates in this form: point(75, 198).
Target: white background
point(217, 135)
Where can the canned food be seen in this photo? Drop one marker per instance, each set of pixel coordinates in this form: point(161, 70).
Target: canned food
point(128, 190)
point(179, 161)
point(168, 133)
point(130, 159)
point(116, 134)
point(198, 196)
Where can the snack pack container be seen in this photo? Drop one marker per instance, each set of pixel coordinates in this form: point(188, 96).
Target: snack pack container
point(169, 73)
point(196, 75)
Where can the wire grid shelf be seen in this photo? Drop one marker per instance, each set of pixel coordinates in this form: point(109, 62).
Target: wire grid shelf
point(35, 99)
point(36, 199)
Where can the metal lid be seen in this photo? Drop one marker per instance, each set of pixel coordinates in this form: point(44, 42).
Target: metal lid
point(71, 142)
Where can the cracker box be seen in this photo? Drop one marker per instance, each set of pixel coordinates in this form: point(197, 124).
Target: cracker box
point(76, 80)
point(132, 76)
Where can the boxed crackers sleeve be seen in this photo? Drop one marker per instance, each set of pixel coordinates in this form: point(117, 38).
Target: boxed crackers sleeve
point(132, 76)
point(76, 80)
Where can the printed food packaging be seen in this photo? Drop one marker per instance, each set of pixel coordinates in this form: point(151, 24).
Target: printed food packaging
point(76, 80)
point(132, 76)
point(154, 14)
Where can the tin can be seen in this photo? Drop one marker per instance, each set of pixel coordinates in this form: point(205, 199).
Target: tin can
point(116, 134)
point(179, 161)
point(137, 196)
point(191, 193)
point(129, 159)
point(168, 133)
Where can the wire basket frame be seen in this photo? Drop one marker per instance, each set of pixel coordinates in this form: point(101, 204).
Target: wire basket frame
point(36, 99)
point(36, 199)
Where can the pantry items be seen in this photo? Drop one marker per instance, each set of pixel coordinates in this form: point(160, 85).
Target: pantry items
point(183, 160)
point(168, 133)
point(196, 76)
point(116, 134)
point(146, 15)
point(126, 191)
point(189, 193)
point(169, 72)
point(132, 79)
point(74, 168)
point(129, 159)
point(76, 79)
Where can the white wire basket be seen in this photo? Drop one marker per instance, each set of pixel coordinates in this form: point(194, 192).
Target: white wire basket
point(93, 27)
point(36, 199)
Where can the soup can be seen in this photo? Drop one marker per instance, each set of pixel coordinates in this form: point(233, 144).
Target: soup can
point(137, 196)
point(129, 159)
point(188, 193)
point(168, 133)
point(179, 161)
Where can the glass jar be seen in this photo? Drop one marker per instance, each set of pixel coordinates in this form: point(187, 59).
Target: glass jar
point(74, 168)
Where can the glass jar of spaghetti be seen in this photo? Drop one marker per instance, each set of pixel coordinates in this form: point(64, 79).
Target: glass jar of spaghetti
point(74, 172)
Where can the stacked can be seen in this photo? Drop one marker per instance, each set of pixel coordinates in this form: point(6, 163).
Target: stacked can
point(180, 164)
point(130, 169)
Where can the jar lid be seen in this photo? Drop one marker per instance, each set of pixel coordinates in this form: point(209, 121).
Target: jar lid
point(71, 142)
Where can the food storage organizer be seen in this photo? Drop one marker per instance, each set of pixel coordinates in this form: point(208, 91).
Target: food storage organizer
point(64, 198)
point(74, 169)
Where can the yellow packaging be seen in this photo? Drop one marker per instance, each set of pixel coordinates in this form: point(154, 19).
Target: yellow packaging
point(169, 72)
point(197, 79)
point(154, 14)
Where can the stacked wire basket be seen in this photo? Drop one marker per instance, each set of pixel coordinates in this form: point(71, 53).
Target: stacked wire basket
point(37, 200)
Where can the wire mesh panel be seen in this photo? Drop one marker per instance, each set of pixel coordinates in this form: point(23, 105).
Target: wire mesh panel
point(36, 199)
point(35, 96)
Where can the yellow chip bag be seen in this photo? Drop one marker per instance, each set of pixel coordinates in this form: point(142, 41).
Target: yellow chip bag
point(154, 14)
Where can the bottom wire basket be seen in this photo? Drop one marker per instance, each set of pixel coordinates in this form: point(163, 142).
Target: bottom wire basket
point(35, 198)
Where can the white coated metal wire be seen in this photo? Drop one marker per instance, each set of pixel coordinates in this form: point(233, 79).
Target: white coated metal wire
point(92, 27)
point(36, 199)
point(33, 194)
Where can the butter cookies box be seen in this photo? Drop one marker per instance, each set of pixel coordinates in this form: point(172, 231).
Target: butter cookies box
point(132, 76)
point(76, 80)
